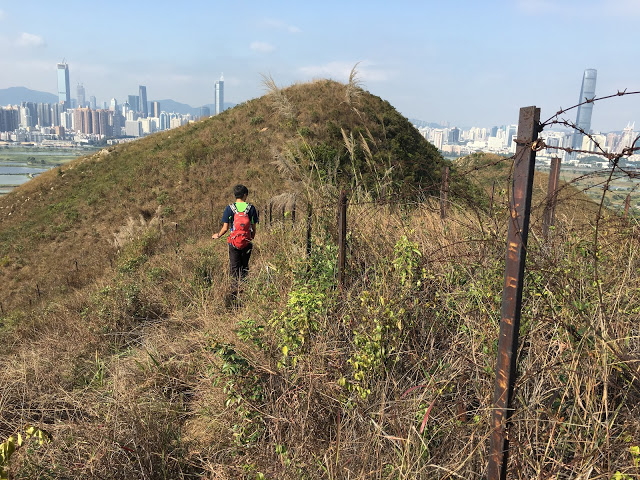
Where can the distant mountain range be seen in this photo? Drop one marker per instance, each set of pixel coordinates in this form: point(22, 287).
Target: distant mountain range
point(15, 95)
point(422, 123)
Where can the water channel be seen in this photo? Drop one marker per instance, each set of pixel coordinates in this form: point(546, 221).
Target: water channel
point(19, 165)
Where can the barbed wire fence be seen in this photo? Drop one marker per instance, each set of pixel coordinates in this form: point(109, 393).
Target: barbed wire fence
point(505, 219)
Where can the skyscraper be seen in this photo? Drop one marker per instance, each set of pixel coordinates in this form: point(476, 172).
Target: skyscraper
point(81, 96)
point(144, 108)
point(155, 109)
point(64, 91)
point(220, 95)
point(583, 117)
point(134, 102)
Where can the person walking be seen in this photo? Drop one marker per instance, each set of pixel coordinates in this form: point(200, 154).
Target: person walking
point(242, 219)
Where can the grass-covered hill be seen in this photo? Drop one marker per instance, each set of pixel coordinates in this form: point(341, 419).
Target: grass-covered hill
point(133, 365)
point(62, 229)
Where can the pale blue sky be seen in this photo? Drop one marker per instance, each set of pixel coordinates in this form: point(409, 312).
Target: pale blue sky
point(462, 61)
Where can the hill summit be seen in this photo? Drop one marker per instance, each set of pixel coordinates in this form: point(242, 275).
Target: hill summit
point(66, 221)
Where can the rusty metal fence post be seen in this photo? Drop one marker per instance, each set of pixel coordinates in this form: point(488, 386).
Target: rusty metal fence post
point(342, 237)
point(520, 207)
point(309, 227)
point(552, 197)
point(444, 190)
point(627, 203)
point(293, 214)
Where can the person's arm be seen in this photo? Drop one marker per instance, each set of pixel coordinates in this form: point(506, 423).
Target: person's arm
point(223, 230)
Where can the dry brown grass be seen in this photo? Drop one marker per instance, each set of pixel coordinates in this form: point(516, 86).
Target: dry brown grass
point(119, 358)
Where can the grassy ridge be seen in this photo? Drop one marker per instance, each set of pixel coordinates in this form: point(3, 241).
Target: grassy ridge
point(137, 368)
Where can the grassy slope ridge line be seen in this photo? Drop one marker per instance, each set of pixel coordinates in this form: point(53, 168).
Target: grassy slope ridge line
point(106, 260)
point(59, 230)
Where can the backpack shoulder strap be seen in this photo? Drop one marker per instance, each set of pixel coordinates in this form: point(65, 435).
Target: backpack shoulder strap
point(234, 209)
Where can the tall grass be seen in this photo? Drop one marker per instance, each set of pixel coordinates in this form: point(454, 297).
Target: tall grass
point(137, 367)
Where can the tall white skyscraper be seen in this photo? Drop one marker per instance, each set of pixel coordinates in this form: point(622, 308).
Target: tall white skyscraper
point(64, 92)
point(220, 95)
point(583, 117)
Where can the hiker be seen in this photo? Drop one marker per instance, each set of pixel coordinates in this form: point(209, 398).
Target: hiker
point(242, 218)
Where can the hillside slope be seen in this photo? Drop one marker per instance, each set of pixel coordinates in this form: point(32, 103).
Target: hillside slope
point(137, 365)
point(59, 230)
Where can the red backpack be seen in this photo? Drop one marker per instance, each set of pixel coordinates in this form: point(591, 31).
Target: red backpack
point(241, 230)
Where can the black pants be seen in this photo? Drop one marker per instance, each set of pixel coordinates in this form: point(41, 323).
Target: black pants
point(238, 264)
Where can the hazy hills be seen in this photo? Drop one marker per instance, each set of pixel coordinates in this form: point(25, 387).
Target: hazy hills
point(15, 95)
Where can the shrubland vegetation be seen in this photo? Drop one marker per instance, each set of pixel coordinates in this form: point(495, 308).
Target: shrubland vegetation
point(133, 364)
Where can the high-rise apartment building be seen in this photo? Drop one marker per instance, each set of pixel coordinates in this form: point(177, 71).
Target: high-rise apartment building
point(64, 91)
point(155, 109)
point(56, 110)
point(9, 118)
point(454, 135)
point(83, 120)
point(583, 117)
point(28, 114)
point(101, 123)
point(220, 95)
point(143, 107)
point(81, 96)
point(134, 102)
point(44, 114)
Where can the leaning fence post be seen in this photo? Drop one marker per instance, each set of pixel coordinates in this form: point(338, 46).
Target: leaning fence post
point(519, 209)
point(342, 237)
point(627, 202)
point(493, 189)
point(552, 197)
point(444, 190)
point(309, 227)
point(293, 213)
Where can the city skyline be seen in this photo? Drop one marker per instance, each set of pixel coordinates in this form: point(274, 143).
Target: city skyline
point(466, 63)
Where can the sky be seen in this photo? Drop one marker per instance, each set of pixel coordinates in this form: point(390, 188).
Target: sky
point(465, 62)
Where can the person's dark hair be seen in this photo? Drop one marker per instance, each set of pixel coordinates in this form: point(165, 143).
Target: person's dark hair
point(240, 191)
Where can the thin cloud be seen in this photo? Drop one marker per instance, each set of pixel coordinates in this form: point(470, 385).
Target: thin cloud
point(280, 25)
point(262, 47)
point(1, 14)
point(30, 40)
point(342, 70)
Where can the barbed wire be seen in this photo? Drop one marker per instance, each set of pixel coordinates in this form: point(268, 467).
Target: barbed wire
point(586, 101)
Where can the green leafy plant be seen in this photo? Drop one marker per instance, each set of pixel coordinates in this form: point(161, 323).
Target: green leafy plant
point(311, 298)
point(243, 389)
point(14, 442)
